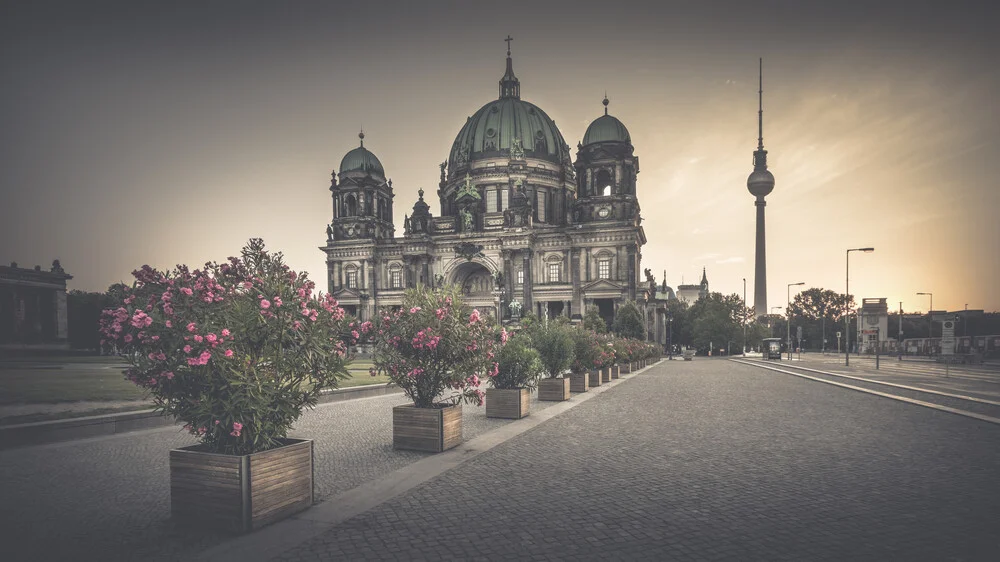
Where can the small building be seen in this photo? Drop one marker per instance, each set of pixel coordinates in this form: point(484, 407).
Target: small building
point(33, 308)
point(873, 324)
point(691, 293)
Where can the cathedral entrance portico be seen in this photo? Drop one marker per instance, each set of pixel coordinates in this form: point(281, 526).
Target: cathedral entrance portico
point(476, 282)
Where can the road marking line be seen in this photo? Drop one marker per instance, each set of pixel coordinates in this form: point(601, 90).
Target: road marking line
point(903, 386)
point(877, 393)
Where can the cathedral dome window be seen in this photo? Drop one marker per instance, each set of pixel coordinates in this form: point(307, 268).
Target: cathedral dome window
point(602, 183)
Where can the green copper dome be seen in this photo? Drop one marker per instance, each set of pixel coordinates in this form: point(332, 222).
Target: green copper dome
point(606, 129)
point(493, 129)
point(361, 160)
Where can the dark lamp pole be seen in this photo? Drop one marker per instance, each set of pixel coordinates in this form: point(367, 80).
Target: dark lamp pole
point(847, 296)
point(788, 312)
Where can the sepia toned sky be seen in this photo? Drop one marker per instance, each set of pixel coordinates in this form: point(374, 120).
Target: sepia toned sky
point(138, 132)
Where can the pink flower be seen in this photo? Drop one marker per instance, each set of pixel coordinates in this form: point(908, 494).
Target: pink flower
point(415, 310)
point(187, 291)
point(229, 353)
point(187, 349)
point(277, 301)
point(225, 332)
point(237, 428)
point(211, 338)
point(440, 313)
point(191, 327)
point(169, 324)
point(128, 338)
point(372, 372)
point(198, 338)
point(474, 317)
point(365, 327)
point(169, 375)
point(204, 357)
point(265, 304)
point(503, 335)
point(355, 334)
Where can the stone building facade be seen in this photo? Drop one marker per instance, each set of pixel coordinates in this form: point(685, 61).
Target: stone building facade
point(521, 225)
point(33, 308)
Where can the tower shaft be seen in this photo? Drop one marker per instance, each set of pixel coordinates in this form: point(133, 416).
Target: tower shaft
point(760, 261)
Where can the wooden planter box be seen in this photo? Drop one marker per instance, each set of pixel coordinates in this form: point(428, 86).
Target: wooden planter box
point(240, 493)
point(595, 378)
point(579, 382)
point(508, 403)
point(553, 390)
point(606, 375)
point(615, 372)
point(626, 368)
point(426, 429)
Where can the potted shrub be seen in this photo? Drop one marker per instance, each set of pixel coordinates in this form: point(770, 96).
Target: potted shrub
point(555, 347)
point(605, 357)
point(235, 351)
point(432, 345)
point(519, 369)
point(583, 350)
point(623, 355)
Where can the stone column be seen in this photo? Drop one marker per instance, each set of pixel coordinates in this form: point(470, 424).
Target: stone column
point(61, 318)
point(631, 271)
point(576, 279)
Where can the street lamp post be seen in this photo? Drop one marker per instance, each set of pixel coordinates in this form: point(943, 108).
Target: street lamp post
point(788, 312)
point(847, 296)
point(965, 322)
point(744, 316)
point(930, 321)
point(670, 337)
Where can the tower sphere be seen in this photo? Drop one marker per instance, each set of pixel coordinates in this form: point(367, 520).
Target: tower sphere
point(760, 182)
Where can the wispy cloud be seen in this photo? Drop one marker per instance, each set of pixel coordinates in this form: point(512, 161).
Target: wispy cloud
point(734, 259)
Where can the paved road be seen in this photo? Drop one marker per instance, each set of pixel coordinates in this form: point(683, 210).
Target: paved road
point(702, 460)
point(705, 460)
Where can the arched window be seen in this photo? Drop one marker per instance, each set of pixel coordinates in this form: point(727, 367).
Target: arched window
point(351, 277)
point(351, 205)
point(602, 183)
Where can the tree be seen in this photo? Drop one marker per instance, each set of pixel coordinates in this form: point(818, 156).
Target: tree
point(83, 317)
point(715, 321)
point(628, 322)
point(819, 312)
point(593, 321)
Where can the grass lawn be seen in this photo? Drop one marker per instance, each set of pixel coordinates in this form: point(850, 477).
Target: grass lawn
point(67, 379)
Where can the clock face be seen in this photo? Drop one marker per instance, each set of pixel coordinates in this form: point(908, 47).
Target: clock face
point(604, 212)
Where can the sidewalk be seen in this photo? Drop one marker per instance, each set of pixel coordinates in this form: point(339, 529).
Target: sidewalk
point(107, 497)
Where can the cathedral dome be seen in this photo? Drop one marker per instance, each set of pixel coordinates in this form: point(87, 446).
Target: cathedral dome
point(361, 160)
point(498, 124)
point(493, 129)
point(606, 129)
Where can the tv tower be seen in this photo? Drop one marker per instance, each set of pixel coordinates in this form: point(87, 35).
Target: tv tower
point(760, 183)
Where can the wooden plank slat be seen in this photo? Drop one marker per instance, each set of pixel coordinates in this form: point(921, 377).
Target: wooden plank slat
point(553, 389)
point(579, 382)
point(595, 378)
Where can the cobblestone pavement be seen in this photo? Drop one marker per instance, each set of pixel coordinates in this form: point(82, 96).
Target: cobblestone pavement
point(705, 460)
point(108, 498)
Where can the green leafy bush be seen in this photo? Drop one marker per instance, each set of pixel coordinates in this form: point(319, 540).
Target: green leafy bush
point(555, 347)
point(520, 366)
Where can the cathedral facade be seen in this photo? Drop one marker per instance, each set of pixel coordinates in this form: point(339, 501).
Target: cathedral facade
point(522, 226)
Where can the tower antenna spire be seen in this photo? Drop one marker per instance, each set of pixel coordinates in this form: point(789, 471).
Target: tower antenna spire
point(605, 102)
point(760, 105)
point(361, 135)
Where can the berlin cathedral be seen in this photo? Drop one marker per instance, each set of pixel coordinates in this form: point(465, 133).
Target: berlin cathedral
point(522, 227)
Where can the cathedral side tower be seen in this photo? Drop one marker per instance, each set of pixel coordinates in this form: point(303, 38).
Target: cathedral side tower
point(362, 200)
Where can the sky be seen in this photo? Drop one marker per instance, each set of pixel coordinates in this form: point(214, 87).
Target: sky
point(138, 132)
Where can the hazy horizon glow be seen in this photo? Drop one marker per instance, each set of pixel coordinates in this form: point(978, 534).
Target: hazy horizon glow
point(142, 133)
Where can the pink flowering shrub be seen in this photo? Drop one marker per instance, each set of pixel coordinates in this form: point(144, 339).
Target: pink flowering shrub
point(435, 344)
point(235, 350)
point(605, 351)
